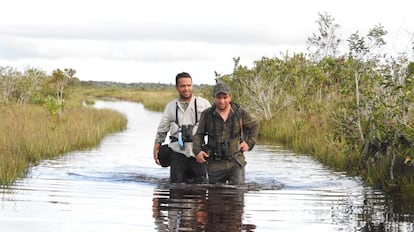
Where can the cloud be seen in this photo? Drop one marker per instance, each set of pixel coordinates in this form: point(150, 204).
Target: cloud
point(129, 39)
point(230, 33)
point(153, 42)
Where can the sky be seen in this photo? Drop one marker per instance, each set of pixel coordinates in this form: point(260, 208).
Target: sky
point(134, 41)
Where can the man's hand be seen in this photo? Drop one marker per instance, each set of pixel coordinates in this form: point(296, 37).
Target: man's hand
point(155, 153)
point(244, 146)
point(201, 157)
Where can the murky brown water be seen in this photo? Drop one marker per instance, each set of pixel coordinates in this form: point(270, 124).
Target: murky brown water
point(117, 187)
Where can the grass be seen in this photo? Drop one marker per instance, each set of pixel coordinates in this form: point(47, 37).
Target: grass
point(29, 133)
point(152, 99)
point(308, 134)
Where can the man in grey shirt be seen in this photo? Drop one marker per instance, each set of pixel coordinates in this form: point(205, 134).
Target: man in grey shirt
point(180, 119)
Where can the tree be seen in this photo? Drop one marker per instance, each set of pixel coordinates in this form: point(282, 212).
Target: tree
point(60, 79)
point(361, 52)
point(262, 89)
point(326, 42)
point(384, 103)
point(8, 78)
point(29, 85)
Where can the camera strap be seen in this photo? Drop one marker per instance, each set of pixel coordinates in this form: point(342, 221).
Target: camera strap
point(195, 112)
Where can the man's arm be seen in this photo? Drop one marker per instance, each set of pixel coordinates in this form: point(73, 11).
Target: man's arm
point(250, 128)
point(162, 131)
point(155, 152)
point(198, 139)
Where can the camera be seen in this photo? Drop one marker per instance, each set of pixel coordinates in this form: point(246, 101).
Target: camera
point(222, 150)
point(187, 133)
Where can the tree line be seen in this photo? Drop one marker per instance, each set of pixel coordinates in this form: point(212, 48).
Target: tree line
point(34, 86)
point(363, 101)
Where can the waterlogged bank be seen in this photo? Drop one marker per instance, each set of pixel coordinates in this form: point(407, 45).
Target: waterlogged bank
point(29, 134)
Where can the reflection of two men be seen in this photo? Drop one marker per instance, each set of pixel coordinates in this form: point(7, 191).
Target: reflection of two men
point(199, 209)
point(179, 209)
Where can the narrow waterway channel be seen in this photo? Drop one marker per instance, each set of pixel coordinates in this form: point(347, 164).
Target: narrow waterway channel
point(117, 187)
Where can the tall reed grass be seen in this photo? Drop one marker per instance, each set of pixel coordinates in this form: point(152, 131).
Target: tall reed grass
point(28, 134)
point(308, 134)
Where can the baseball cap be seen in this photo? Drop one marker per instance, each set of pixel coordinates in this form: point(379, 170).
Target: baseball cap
point(221, 87)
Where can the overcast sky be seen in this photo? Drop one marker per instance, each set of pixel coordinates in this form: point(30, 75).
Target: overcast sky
point(151, 41)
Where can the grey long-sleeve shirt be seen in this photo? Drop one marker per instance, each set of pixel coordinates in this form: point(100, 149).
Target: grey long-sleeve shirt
point(185, 117)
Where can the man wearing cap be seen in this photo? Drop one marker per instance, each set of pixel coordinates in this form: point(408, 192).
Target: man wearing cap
point(231, 131)
point(180, 119)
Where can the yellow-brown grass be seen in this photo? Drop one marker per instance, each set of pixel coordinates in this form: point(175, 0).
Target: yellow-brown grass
point(28, 134)
point(152, 99)
point(307, 134)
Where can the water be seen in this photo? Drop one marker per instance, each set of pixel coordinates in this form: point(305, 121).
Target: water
point(117, 187)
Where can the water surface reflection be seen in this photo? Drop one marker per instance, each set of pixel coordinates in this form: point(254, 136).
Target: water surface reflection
point(200, 208)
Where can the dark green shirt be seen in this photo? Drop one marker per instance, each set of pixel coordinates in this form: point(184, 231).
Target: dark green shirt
point(218, 131)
